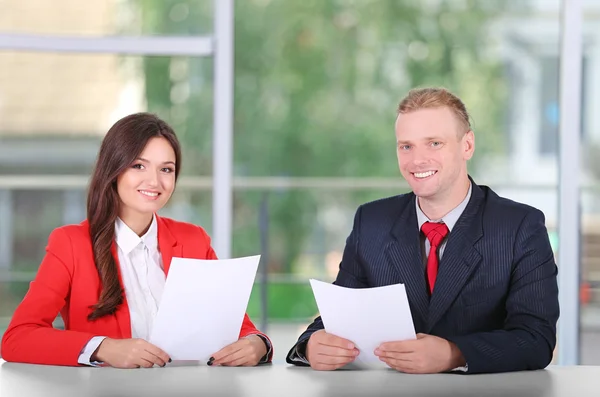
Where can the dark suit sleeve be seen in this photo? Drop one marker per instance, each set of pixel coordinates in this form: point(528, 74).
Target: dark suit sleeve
point(350, 275)
point(528, 337)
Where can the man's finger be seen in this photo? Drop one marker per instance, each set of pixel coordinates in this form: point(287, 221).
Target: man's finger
point(337, 351)
point(336, 341)
point(407, 346)
point(333, 360)
point(400, 365)
point(395, 355)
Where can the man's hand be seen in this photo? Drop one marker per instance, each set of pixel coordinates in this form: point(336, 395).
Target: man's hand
point(130, 353)
point(326, 352)
point(245, 352)
point(427, 354)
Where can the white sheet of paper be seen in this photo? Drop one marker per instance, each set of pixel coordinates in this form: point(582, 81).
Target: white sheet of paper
point(365, 316)
point(203, 306)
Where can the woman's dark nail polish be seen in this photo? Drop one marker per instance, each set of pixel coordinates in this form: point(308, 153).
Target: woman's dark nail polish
point(170, 360)
point(209, 362)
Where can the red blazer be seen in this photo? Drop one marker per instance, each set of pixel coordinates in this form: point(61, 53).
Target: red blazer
point(67, 282)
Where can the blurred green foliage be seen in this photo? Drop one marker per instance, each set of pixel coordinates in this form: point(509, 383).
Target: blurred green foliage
point(317, 83)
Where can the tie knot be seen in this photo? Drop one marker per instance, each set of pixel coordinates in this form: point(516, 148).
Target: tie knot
point(435, 232)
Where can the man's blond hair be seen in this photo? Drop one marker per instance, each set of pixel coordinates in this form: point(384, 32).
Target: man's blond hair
point(430, 98)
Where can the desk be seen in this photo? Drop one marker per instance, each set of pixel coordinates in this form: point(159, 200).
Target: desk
point(287, 381)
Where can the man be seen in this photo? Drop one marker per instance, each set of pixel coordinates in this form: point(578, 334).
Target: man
point(478, 268)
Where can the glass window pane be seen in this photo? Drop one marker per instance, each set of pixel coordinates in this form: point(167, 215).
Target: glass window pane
point(108, 17)
point(304, 232)
point(55, 108)
point(590, 203)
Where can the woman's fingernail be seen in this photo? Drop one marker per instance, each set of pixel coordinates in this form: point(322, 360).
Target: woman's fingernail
point(209, 362)
point(170, 360)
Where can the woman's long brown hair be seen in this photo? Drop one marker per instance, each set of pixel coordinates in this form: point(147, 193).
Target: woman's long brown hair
point(123, 143)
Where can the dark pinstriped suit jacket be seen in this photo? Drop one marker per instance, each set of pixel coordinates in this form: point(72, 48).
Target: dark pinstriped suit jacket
point(496, 293)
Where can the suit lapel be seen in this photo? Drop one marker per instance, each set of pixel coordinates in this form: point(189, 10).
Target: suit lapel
point(404, 252)
point(460, 258)
point(167, 244)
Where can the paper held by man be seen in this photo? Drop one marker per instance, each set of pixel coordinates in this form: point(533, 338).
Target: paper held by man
point(365, 316)
point(203, 305)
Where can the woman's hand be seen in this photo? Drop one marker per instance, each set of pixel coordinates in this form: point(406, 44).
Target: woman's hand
point(130, 353)
point(245, 352)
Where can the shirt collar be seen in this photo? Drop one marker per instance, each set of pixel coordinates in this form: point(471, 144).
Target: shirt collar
point(127, 239)
point(450, 218)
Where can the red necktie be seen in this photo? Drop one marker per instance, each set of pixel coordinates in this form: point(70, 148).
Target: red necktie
point(435, 233)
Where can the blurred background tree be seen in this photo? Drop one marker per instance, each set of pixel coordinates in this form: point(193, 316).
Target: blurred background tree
point(317, 83)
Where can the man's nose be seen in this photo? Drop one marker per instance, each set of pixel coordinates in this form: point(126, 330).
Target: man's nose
point(419, 157)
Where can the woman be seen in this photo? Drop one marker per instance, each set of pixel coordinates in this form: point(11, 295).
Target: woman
point(106, 275)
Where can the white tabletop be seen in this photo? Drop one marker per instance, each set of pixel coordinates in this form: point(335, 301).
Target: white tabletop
point(287, 381)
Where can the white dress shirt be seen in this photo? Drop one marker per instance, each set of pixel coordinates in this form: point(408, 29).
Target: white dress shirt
point(143, 277)
point(449, 219)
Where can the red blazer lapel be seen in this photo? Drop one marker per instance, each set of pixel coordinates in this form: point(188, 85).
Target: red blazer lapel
point(167, 244)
